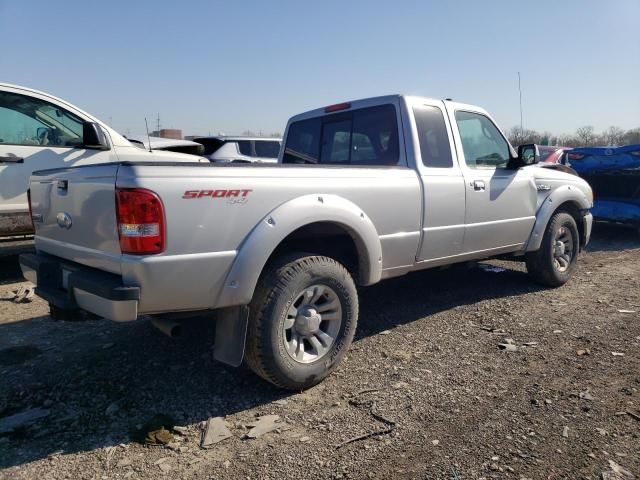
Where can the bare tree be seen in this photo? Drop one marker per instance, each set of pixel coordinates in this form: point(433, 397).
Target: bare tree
point(613, 135)
point(586, 135)
point(567, 141)
point(631, 137)
point(546, 138)
point(518, 136)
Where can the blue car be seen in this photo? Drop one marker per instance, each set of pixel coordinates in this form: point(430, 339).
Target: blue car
point(614, 176)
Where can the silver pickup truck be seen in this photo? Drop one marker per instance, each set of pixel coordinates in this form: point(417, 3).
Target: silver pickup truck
point(362, 191)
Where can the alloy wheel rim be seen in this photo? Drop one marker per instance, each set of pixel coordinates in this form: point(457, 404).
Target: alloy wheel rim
point(312, 323)
point(563, 249)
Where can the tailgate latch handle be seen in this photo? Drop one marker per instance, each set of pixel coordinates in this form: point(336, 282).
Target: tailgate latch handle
point(63, 185)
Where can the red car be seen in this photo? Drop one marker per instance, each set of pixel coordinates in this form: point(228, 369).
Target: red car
point(551, 154)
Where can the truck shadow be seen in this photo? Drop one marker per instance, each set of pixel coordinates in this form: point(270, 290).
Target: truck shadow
point(10, 268)
point(100, 380)
point(417, 295)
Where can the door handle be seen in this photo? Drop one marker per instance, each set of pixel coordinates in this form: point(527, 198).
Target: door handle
point(11, 159)
point(478, 185)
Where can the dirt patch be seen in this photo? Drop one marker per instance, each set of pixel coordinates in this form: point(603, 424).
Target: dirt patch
point(426, 390)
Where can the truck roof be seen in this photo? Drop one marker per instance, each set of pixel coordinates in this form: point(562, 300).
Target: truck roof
point(234, 138)
point(372, 101)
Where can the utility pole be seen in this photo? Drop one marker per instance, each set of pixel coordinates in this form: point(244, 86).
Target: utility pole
point(520, 91)
point(158, 124)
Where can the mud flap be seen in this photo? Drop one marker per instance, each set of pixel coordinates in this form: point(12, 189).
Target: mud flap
point(231, 333)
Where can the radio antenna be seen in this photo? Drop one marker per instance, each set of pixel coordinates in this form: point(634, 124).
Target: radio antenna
point(520, 92)
point(146, 124)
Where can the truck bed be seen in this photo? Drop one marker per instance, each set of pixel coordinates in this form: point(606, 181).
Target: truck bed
point(209, 210)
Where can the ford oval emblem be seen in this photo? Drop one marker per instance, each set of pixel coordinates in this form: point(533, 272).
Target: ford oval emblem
point(64, 220)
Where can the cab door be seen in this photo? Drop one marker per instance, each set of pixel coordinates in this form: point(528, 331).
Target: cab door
point(442, 183)
point(500, 201)
point(35, 135)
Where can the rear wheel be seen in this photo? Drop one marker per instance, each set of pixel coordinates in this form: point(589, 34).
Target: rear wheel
point(302, 320)
point(553, 264)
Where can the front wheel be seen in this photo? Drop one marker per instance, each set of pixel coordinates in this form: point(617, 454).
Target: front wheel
point(554, 263)
point(302, 320)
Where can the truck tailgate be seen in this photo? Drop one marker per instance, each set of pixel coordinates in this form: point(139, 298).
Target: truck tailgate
point(74, 215)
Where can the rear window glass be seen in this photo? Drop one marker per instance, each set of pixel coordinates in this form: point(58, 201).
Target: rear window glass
point(367, 136)
point(245, 147)
point(268, 149)
point(303, 142)
point(432, 134)
point(336, 137)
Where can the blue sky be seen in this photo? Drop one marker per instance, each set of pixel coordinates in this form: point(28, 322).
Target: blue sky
point(229, 66)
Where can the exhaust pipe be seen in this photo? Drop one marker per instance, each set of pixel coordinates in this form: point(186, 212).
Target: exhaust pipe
point(167, 326)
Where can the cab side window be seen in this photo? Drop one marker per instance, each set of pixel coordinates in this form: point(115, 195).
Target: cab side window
point(482, 143)
point(30, 121)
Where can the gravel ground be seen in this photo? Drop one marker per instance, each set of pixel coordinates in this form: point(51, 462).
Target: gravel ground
point(426, 372)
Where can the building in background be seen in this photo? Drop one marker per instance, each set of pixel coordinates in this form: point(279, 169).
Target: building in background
point(174, 133)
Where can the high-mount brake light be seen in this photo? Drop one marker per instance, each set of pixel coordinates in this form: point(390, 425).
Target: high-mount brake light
point(337, 107)
point(140, 217)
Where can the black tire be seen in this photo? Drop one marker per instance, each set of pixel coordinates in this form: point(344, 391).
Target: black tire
point(542, 264)
point(266, 348)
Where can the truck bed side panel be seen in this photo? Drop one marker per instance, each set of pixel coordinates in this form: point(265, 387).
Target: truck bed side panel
point(210, 211)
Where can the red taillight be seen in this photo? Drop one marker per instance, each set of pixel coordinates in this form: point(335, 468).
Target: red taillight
point(575, 156)
point(337, 107)
point(33, 225)
point(140, 217)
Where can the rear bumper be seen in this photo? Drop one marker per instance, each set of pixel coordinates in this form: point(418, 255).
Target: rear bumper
point(72, 286)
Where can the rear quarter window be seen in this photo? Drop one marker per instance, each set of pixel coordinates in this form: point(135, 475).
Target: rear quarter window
point(435, 147)
point(367, 136)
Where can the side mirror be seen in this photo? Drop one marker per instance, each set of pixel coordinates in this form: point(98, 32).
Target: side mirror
point(529, 154)
point(93, 137)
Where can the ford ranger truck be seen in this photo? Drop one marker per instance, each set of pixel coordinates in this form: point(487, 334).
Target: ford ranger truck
point(363, 191)
point(39, 131)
